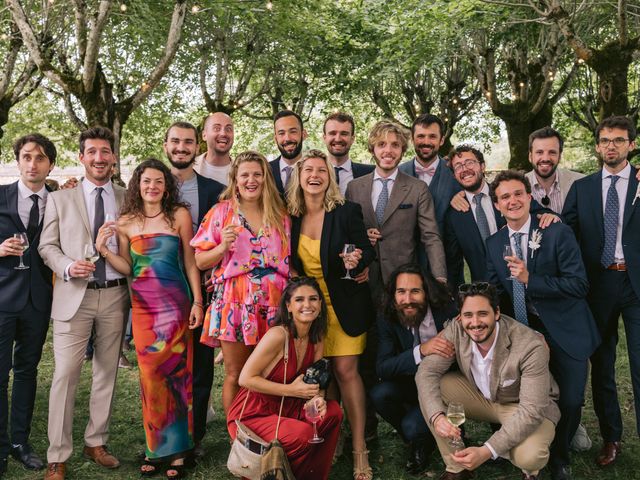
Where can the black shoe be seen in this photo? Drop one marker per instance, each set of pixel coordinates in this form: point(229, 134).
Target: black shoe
point(3, 467)
point(26, 456)
point(560, 472)
point(418, 458)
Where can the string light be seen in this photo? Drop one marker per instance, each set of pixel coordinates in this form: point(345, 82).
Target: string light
point(123, 8)
point(521, 84)
point(455, 101)
point(269, 5)
point(581, 61)
point(4, 37)
point(195, 9)
point(131, 79)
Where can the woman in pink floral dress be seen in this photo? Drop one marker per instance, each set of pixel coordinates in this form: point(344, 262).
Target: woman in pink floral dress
point(244, 238)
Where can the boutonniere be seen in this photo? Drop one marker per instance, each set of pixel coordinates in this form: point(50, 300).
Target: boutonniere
point(536, 239)
point(637, 195)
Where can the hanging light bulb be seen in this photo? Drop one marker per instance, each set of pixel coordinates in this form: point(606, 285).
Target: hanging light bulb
point(123, 7)
point(269, 5)
point(195, 9)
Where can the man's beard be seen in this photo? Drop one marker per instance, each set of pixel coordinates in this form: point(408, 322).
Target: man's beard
point(290, 155)
point(181, 165)
point(411, 321)
point(475, 186)
point(547, 175)
point(426, 159)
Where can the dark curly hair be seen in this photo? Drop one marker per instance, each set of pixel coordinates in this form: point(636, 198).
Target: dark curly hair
point(319, 327)
point(133, 204)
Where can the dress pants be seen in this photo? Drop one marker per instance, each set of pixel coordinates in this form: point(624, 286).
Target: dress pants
point(22, 335)
point(203, 357)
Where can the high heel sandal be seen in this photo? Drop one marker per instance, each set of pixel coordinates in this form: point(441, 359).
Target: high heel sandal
point(361, 468)
point(181, 471)
point(150, 470)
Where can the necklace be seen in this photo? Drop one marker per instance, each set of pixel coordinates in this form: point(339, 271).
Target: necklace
point(152, 216)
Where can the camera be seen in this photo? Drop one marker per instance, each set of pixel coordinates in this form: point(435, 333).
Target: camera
point(318, 373)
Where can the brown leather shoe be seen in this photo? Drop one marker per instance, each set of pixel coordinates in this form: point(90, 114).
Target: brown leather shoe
point(55, 471)
point(463, 475)
point(609, 453)
point(101, 456)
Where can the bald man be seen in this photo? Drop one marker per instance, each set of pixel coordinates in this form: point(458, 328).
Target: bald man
point(216, 161)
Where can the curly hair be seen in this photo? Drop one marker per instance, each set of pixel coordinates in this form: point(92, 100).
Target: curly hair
point(133, 204)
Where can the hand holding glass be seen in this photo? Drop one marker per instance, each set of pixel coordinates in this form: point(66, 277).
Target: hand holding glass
point(456, 417)
point(24, 244)
point(90, 255)
point(347, 250)
point(508, 252)
point(112, 239)
point(312, 412)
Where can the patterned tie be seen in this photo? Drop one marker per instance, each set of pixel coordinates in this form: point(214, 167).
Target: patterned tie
point(611, 212)
point(287, 176)
point(383, 199)
point(34, 218)
point(338, 169)
point(519, 301)
point(481, 217)
point(98, 220)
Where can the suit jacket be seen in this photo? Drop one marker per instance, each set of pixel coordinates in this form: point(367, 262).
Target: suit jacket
point(16, 286)
point(208, 193)
point(395, 344)
point(565, 180)
point(361, 169)
point(409, 210)
point(351, 301)
point(557, 286)
point(519, 374)
point(275, 169)
point(65, 231)
point(583, 212)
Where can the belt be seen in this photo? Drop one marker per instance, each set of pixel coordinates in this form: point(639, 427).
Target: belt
point(108, 284)
point(618, 267)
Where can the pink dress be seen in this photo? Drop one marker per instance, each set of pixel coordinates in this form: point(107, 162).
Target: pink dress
point(249, 280)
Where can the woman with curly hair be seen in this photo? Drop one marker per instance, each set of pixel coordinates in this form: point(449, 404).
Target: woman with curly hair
point(154, 228)
point(244, 238)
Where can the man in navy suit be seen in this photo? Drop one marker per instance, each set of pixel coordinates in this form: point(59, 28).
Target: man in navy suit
point(547, 284)
point(602, 209)
point(25, 296)
point(415, 311)
point(201, 193)
point(289, 134)
point(338, 133)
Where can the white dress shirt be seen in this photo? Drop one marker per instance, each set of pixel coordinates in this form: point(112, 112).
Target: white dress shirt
point(346, 175)
point(524, 241)
point(282, 165)
point(621, 187)
point(377, 186)
point(425, 177)
point(426, 331)
point(487, 206)
point(25, 203)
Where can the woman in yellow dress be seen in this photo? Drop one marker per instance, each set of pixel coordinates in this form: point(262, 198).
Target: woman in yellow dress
point(322, 223)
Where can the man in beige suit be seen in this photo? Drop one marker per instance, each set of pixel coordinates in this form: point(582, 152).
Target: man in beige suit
point(82, 304)
point(504, 378)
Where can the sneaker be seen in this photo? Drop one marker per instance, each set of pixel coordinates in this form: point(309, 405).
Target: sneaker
point(581, 441)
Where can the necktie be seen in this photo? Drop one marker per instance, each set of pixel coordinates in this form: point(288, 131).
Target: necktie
point(416, 335)
point(34, 217)
point(420, 170)
point(519, 301)
point(337, 169)
point(287, 176)
point(611, 212)
point(481, 217)
point(98, 220)
point(382, 200)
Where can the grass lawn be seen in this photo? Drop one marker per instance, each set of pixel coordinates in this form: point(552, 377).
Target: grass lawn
point(387, 453)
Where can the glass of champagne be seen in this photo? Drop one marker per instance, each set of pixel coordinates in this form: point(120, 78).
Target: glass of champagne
point(312, 413)
point(24, 244)
point(347, 250)
point(456, 417)
point(508, 252)
point(112, 239)
point(90, 255)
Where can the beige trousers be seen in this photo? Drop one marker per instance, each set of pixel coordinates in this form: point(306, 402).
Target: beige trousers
point(530, 456)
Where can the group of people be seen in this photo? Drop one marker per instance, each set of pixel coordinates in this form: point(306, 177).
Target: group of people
point(360, 264)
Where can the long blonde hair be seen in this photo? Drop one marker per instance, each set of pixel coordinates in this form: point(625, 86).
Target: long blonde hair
point(295, 195)
point(273, 210)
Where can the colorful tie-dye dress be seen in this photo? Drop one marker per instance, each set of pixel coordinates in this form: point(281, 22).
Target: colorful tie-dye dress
point(161, 305)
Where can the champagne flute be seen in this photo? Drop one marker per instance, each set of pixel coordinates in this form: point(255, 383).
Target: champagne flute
point(347, 250)
point(312, 413)
point(90, 255)
point(508, 252)
point(456, 417)
point(108, 217)
point(24, 244)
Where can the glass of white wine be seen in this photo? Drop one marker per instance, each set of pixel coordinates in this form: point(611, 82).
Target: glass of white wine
point(508, 252)
point(90, 255)
point(456, 417)
point(24, 244)
point(113, 238)
point(347, 250)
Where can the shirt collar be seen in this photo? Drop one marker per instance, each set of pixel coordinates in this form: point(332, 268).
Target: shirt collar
point(484, 189)
point(282, 164)
point(536, 184)
point(433, 164)
point(88, 187)
point(26, 192)
point(391, 177)
point(489, 357)
point(524, 229)
point(346, 166)
point(624, 173)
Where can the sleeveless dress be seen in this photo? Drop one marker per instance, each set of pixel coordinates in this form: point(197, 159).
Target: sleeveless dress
point(337, 342)
point(308, 461)
point(161, 304)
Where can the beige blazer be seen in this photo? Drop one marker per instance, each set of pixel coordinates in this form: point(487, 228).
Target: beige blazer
point(565, 180)
point(410, 209)
point(65, 231)
point(519, 374)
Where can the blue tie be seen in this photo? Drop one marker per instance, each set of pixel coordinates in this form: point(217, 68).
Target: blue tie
point(382, 200)
point(519, 301)
point(611, 212)
point(481, 217)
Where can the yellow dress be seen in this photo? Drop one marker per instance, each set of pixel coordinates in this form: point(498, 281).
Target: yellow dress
point(336, 343)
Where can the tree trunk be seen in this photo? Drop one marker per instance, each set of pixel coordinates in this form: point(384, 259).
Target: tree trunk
point(611, 63)
point(520, 123)
point(5, 106)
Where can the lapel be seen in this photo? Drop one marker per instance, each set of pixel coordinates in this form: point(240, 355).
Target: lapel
point(596, 201)
point(500, 355)
point(78, 197)
point(404, 335)
point(469, 223)
point(119, 194)
point(629, 205)
point(500, 221)
point(501, 268)
point(363, 197)
point(531, 261)
point(434, 188)
point(12, 204)
point(327, 227)
point(202, 197)
point(275, 169)
point(398, 193)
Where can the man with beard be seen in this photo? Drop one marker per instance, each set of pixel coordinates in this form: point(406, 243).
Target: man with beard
point(338, 134)
point(416, 308)
point(603, 211)
point(504, 379)
point(289, 134)
point(181, 147)
point(218, 133)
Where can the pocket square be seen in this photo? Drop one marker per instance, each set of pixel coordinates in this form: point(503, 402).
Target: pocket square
point(508, 383)
point(402, 206)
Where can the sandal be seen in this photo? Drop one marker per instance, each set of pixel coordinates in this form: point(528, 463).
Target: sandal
point(181, 471)
point(361, 468)
point(148, 468)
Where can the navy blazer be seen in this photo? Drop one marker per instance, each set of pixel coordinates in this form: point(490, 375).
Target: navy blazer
point(583, 211)
point(351, 301)
point(208, 192)
point(395, 344)
point(557, 286)
point(16, 286)
point(361, 169)
point(275, 169)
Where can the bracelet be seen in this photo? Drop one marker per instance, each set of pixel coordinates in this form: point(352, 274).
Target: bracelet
point(199, 304)
point(435, 417)
point(104, 255)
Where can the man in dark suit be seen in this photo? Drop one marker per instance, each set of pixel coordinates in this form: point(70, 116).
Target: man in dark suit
point(25, 295)
point(415, 311)
point(289, 134)
point(547, 284)
point(201, 193)
point(603, 212)
point(338, 133)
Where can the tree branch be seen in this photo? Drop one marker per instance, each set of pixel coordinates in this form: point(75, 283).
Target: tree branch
point(623, 31)
point(93, 45)
point(81, 28)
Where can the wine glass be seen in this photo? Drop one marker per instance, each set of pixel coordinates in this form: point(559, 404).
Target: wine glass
point(90, 255)
point(508, 252)
point(312, 413)
point(24, 244)
point(456, 417)
point(347, 250)
point(108, 217)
